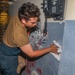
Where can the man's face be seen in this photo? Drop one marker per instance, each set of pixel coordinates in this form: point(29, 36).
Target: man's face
point(32, 22)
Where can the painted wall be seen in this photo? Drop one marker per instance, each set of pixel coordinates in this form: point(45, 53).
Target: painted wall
point(70, 10)
point(67, 62)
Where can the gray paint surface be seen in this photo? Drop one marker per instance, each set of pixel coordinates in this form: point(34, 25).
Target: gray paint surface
point(55, 32)
point(67, 62)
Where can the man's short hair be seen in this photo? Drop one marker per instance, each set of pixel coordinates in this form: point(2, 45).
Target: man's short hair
point(28, 10)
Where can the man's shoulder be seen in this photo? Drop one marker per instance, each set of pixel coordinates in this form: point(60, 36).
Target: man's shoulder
point(15, 19)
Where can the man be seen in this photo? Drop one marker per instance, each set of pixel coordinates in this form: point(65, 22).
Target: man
point(16, 39)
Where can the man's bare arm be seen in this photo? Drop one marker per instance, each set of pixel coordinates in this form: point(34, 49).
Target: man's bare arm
point(27, 49)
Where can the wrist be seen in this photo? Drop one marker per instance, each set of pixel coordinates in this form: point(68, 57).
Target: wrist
point(49, 50)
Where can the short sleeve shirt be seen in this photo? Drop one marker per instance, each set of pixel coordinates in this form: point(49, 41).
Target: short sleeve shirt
point(15, 35)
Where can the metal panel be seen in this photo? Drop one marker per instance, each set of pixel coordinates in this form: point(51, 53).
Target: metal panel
point(47, 64)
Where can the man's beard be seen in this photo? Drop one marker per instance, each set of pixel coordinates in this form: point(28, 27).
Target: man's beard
point(32, 29)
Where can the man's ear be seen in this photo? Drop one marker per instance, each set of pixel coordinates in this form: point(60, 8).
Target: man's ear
point(23, 21)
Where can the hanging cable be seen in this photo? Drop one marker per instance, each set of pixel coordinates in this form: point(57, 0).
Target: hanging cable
point(45, 27)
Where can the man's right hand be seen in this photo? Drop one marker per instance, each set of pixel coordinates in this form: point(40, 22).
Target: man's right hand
point(54, 49)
